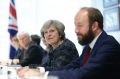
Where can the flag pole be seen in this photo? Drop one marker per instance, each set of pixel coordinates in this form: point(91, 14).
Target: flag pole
point(12, 27)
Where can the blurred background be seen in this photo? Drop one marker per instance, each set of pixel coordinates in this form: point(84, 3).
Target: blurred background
point(31, 14)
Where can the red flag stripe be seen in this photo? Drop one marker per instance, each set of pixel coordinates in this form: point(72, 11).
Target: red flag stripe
point(14, 26)
point(13, 11)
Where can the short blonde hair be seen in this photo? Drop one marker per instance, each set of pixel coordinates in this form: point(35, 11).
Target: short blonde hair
point(54, 23)
point(15, 39)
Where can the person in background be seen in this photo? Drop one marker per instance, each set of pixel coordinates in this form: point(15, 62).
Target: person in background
point(19, 50)
point(36, 39)
point(32, 52)
point(103, 61)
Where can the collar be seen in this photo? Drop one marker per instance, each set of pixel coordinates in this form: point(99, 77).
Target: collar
point(94, 41)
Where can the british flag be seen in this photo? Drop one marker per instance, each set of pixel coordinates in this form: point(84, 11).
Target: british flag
point(12, 27)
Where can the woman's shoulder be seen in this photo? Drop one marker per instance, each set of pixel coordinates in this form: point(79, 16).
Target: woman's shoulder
point(68, 43)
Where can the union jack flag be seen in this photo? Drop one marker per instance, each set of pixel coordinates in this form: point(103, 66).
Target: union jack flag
point(12, 27)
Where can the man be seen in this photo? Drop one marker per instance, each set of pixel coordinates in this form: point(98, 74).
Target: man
point(32, 54)
point(104, 59)
point(36, 39)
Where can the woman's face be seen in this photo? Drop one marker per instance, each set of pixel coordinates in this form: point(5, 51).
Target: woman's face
point(52, 36)
point(16, 44)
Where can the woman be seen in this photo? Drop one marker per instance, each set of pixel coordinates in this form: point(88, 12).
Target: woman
point(19, 50)
point(61, 50)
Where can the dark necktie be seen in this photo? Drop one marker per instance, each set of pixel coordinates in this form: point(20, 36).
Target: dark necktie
point(24, 54)
point(86, 55)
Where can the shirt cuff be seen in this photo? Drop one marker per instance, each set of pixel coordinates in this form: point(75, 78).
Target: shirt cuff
point(46, 75)
point(42, 69)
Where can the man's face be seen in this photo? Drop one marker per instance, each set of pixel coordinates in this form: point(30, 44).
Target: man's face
point(23, 40)
point(83, 29)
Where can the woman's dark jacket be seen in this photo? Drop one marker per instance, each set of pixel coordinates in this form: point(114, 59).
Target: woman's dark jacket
point(62, 55)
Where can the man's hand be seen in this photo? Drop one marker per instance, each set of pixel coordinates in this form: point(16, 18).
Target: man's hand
point(26, 72)
point(15, 61)
point(22, 71)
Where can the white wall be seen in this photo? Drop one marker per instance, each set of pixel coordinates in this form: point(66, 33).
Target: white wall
point(4, 42)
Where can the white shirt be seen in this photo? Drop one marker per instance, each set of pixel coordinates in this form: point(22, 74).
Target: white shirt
point(94, 41)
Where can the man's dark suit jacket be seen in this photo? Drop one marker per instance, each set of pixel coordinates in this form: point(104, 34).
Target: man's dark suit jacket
point(33, 56)
point(103, 63)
